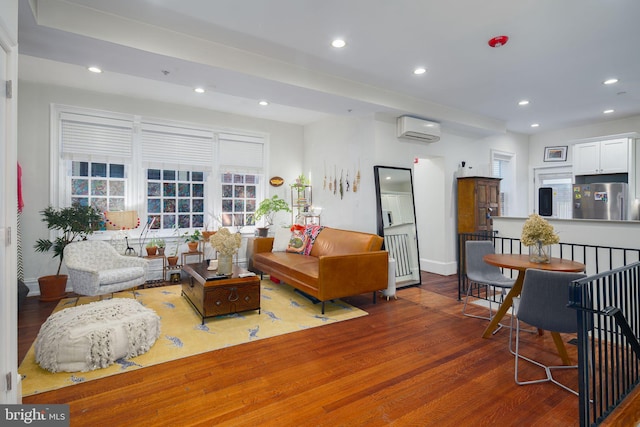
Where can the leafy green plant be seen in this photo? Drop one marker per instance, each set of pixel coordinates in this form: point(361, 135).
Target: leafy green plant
point(75, 222)
point(161, 243)
point(268, 208)
point(196, 236)
point(301, 181)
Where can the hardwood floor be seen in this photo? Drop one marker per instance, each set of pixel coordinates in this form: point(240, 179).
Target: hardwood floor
point(412, 361)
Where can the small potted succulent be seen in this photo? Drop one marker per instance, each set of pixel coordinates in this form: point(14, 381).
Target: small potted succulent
point(161, 245)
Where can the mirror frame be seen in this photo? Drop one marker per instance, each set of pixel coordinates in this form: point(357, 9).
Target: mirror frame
point(376, 174)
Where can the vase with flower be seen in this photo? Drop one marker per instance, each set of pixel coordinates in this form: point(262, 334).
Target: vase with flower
point(226, 244)
point(538, 235)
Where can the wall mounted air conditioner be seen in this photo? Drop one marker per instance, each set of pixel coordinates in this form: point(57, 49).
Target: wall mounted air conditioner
point(418, 129)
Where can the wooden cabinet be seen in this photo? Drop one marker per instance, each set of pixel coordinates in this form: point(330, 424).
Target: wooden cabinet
point(601, 157)
point(478, 202)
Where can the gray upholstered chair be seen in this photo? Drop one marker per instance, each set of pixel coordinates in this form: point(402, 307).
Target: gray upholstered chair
point(96, 268)
point(543, 304)
point(483, 274)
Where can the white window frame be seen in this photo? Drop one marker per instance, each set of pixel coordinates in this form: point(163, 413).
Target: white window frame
point(565, 171)
point(508, 183)
point(239, 161)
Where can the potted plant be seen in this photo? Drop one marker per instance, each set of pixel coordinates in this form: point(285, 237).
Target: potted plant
point(172, 259)
point(193, 240)
point(161, 245)
point(75, 222)
point(267, 209)
point(151, 247)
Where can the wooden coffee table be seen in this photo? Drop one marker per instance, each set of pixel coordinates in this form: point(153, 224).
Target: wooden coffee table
point(212, 296)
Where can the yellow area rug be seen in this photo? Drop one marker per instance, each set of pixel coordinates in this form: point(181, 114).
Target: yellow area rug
point(282, 311)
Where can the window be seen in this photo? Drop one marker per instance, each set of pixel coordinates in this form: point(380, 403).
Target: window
point(239, 199)
point(170, 172)
point(559, 179)
point(101, 185)
point(503, 165)
point(175, 197)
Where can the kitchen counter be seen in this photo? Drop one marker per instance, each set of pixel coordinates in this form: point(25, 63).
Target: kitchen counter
point(596, 232)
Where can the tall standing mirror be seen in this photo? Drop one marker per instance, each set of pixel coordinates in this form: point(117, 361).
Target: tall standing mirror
point(397, 221)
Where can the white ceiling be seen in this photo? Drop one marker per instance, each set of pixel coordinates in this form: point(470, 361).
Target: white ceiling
point(558, 55)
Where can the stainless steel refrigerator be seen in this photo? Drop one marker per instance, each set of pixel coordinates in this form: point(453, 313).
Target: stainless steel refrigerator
point(600, 201)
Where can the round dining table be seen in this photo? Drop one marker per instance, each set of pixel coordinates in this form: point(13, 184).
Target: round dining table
point(521, 263)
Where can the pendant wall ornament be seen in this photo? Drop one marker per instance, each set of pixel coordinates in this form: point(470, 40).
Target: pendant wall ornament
point(349, 181)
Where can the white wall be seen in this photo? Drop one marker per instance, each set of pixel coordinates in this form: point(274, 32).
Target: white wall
point(347, 142)
point(285, 144)
point(336, 147)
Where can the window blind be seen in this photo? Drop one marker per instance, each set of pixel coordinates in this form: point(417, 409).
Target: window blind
point(240, 153)
point(172, 146)
point(92, 138)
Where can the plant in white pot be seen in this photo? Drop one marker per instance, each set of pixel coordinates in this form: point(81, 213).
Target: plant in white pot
point(267, 209)
point(72, 223)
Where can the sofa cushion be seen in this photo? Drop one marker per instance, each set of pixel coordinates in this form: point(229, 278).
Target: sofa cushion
point(298, 241)
point(281, 239)
point(332, 241)
point(291, 266)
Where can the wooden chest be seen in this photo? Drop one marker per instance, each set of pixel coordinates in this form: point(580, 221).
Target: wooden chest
point(215, 297)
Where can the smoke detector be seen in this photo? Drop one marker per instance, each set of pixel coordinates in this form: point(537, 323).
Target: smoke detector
point(498, 41)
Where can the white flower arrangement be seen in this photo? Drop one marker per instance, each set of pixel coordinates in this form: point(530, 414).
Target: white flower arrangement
point(536, 230)
point(225, 242)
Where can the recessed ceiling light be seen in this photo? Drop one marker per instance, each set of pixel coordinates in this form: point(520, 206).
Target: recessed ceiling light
point(610, 81)
point(608, 111)
point(523, 102)
point(198, 90)
point(419, 70)
point(263, 103)
point(535, 125)
point(94, 69)
point(338, 43)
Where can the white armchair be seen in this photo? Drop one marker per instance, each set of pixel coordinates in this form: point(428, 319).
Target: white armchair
point(96, 268)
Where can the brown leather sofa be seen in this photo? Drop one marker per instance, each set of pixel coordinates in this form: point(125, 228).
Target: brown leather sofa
point(341, 263)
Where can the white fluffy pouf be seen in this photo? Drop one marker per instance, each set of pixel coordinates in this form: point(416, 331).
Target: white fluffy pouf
point(95, 335)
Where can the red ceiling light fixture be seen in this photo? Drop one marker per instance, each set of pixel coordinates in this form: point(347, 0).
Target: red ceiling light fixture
point(498, 41)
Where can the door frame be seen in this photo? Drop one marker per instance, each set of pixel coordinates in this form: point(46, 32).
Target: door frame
point(9, 393)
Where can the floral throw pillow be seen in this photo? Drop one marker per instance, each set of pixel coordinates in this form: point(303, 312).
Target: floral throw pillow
point(298, 240)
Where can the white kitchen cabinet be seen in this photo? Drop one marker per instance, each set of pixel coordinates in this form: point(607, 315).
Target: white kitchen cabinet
point(601, 157)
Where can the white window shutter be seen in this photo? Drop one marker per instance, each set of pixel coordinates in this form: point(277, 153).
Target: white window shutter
point(176, 147)
point(92, 138)
point(240, 153)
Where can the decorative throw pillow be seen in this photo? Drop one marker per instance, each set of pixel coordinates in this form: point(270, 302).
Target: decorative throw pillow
point(281, 239)
point(298, 240)
point(311, 231)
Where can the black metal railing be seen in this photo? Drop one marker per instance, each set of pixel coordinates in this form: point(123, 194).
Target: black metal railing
point(608, 310)
point(596, 258)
